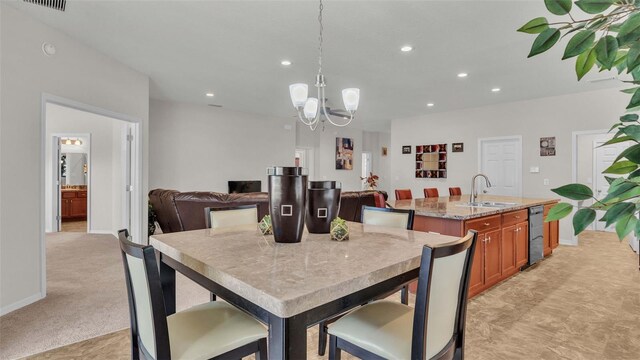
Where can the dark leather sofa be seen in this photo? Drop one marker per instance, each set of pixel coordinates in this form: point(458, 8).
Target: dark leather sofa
point(182, 211)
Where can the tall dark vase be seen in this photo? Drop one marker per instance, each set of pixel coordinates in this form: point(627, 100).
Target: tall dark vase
point(323, 205)
point(287, 197)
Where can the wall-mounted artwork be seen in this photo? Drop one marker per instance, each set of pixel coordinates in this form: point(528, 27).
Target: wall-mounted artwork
point(344, 154)
point(406, 149)
point(384, 151)
point(431, 161)
point(457, 147)
point(548, 146)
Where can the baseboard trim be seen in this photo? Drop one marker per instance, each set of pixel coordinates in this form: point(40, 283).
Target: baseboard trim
point(103, 232)
point(568, 242)
point(21, 303)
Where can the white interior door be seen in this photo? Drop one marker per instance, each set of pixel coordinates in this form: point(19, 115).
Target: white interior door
point(603, 157)
point(501, 161)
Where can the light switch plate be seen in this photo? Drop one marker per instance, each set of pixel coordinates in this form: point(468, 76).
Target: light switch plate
point(534, 169)
point(546, 181)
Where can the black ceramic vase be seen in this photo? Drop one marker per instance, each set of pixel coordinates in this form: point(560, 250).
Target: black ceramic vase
point(323, 205)
point(287, 197)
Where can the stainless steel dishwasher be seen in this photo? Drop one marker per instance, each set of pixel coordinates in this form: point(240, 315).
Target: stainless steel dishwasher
point(536, 229)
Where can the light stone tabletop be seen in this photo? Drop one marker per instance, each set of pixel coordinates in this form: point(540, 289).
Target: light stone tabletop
point(453, 207)
point(288, 279)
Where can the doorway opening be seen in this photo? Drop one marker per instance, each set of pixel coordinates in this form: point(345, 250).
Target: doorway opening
point(91, 171)
point(70, 170)
point(366, 168)
point(500, 158)
point(304, 158)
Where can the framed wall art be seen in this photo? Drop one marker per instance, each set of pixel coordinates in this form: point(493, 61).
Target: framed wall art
point(344, 153)
point(431, 161)
point(457, 147)
point(406, 149)
point(548, 146)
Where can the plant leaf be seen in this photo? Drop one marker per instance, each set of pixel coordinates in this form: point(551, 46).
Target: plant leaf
point(535, 26)
point(606, 51)
point(635, 100)
point(629, 30)
point(558, 7)
point(616, 212)
point(594, 6)
point(621, 167)
point(544, 41)
point(559, 211)
point(625, 225)
point(574, 191)
point(630, 90)
point(585, 63)
point(582, 219)
point(633, 58)
point(579, 43)
point(633, 131)
point(610, 179)
point(617, 140)
point(629, 117)
point(611, 199)
point(632, 153)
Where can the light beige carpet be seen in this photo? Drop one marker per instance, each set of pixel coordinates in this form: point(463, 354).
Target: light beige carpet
point(86, 297)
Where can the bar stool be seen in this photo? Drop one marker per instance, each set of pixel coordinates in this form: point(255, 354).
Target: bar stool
point(403, 194)
point(431, 193)
point(454, 191)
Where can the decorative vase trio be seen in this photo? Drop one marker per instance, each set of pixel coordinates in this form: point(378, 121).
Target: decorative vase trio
point(294, 201)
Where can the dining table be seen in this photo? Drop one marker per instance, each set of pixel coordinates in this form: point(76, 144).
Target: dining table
point(292, 286)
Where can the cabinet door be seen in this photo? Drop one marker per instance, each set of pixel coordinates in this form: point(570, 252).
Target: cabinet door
point(78, 207)
point(522, 244)
point(492, 266)
point(554, 234)
point(64, 208)
point(476, 280)
point(546, 239)
point(508, 249)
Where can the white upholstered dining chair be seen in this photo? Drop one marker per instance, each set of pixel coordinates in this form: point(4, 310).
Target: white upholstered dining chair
point(230, 216)
point(433, 330)
point(214, 330)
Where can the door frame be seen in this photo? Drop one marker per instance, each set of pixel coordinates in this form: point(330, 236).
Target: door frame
point(574, 168)
point(362, 165)
point(518, 147)
point(55, 174)
point(137, 197)
point(309, 159)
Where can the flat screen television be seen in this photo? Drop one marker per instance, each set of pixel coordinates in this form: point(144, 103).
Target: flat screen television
point(247, 186)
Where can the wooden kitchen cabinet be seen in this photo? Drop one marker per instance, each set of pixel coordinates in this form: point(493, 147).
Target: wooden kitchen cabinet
point(492, 255)
point(486, 268)
point(73, 204)
point(554, 234)
point(509, 236)
point(522, 244)
point(550, 233)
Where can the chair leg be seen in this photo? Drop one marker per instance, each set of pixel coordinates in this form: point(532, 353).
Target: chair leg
point(322, 338)
point(262, 350)
point(213, 297)
point(404, 295)
point(334, 351)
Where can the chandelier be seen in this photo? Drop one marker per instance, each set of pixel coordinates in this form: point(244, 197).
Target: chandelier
point(312, 111)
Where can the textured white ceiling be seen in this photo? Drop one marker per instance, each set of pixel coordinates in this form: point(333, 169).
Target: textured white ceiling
point(234, 49)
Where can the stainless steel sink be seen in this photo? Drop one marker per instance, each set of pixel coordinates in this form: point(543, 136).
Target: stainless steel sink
point(487, 204)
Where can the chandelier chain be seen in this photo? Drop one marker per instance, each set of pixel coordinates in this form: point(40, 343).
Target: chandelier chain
point(320, 38)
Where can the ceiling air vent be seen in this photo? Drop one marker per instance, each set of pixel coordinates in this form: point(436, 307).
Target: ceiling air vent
point(52, 4)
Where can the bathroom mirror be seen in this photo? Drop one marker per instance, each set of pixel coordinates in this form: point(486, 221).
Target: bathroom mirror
point(73, 168)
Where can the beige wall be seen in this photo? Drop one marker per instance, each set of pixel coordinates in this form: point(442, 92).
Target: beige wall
point(556, 116)
point(197, 147)
point(76, 72)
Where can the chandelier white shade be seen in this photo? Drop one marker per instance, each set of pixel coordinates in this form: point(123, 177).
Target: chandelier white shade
point(312, 111)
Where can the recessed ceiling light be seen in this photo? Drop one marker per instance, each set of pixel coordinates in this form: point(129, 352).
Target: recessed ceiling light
point(430, 104)
point(285, 62)
point(209, 94)
point(406, 48)
point(495, 90)
point(463, 75)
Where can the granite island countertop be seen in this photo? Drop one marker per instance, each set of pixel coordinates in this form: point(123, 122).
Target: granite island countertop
point(452, 207)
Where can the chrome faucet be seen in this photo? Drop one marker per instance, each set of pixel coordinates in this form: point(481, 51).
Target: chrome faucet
point(474, 190)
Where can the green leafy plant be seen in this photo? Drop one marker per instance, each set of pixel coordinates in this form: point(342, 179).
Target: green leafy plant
point(609, 39)
point(265, 226)
point(339, 229)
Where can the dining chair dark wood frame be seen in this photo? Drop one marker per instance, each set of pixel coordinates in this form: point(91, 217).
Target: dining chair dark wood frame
point(431, 193)
point(161, 330)
point(208, 210)
point(402, 193)
point(404, 291)
point(454, 349)
point(455, 191)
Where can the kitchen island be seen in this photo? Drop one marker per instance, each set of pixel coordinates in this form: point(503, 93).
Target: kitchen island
point(502, 223)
